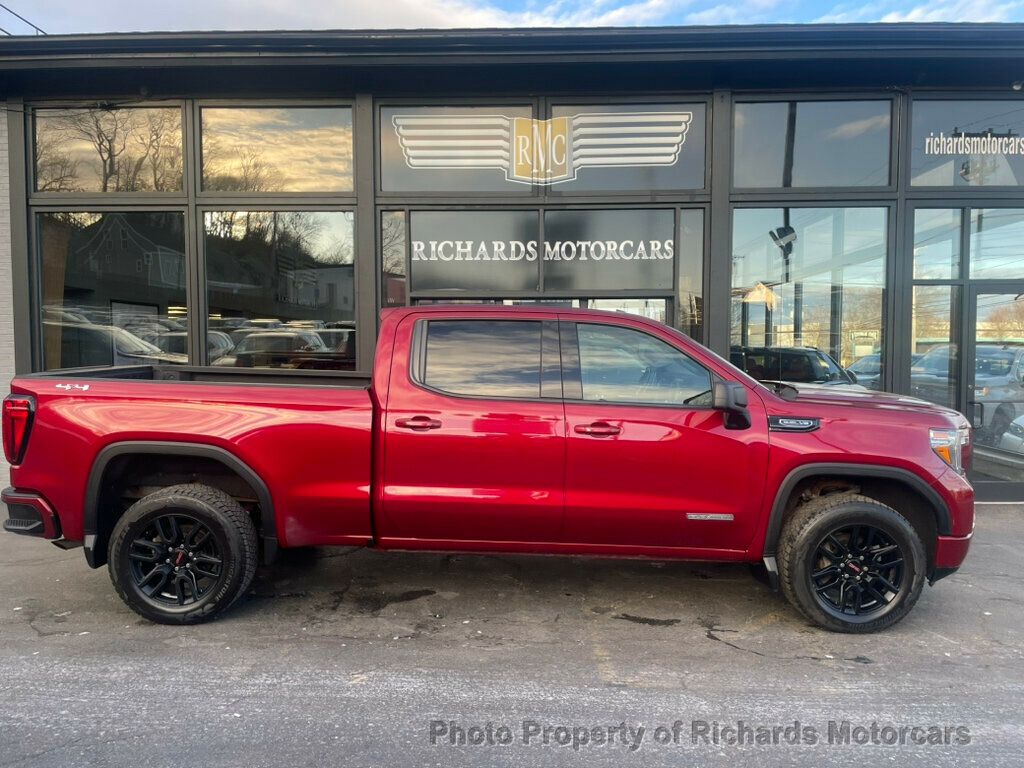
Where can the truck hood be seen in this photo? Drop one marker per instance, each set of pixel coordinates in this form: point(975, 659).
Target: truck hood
point(866, 398)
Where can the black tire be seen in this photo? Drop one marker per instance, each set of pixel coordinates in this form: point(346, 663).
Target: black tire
point(849, 590)
point(208, 545)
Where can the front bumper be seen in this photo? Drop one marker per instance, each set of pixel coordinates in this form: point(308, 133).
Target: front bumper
point(29, 514)
point(950, 552)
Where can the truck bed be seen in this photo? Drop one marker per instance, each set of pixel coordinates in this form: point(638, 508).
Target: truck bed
point(309, 443)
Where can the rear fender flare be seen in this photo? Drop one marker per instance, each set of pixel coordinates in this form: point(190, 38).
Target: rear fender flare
point(90, 513)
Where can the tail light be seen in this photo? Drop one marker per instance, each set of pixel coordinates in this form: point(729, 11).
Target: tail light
point(18, 411)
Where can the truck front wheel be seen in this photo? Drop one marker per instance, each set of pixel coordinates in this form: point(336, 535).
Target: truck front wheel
point(850, 563)
point(182, 554)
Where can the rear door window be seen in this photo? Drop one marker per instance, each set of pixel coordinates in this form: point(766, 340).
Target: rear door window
point(484, 358)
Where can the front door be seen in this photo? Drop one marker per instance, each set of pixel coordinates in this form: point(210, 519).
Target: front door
point(994, 377)
point(474, 433)
point(649, 463)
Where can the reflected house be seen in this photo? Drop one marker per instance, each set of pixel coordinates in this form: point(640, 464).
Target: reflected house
point(93, 266)
point(314, 287)
point(265, 270)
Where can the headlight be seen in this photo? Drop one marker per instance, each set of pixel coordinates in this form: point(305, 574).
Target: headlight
point(948, 445)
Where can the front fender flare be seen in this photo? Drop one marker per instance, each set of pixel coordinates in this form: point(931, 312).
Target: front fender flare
point(943, 519)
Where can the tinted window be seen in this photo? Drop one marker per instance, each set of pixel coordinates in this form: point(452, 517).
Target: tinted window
point(286, 271)
point(474, 250)
point(996, 237)
point(135, 149)
point(967, 144)
point(626, 366)
point(809, 277)
point(450, 149)
point(266, 149)
point(111, 283)
point(632, 147)
point(488, 358)
point(609, 250)
point(812, 144)
point(936, 243)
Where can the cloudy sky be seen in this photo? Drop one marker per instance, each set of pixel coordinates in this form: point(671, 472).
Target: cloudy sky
point(65, 16)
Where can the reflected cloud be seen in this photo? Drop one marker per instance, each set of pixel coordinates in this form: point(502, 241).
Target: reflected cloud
point(304, 149)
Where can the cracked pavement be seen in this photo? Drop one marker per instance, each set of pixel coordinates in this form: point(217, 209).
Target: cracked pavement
point(344, 657)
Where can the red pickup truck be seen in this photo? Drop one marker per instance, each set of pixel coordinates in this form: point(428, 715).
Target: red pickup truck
point(494, 429)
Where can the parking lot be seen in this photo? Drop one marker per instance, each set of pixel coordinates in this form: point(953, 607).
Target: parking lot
point(354, 658)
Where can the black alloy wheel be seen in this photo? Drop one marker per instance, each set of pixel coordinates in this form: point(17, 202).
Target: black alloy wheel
point(176, 561)
point(858, 570)
point(183, 554)
point(851, 563)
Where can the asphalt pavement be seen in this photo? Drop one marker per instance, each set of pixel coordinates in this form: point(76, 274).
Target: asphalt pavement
point(363, 658)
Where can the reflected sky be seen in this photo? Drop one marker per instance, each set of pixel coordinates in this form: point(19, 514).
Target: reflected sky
point(293, 149)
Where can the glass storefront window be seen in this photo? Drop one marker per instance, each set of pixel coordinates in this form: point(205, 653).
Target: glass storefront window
point(474, 250)
point(976, 143)
point(937, 243)
point(394, 286)
point(690, 266)
point(453, 149)
point(622, 147)
point(280, 287)
point(997, 243)
point(608, 250)
point(113, 288)
point(809, 277)
point(934, 363)
point(277, 149)
point(783, 144)
point(119, 149)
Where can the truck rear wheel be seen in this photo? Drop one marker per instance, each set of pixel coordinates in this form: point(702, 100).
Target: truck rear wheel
point(850, 563)
point(182, 554)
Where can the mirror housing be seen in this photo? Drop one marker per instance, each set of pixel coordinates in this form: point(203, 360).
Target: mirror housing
point(731, 398)
point(852, 376)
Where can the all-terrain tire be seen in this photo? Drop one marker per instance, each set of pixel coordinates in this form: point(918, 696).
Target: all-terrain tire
point(800, 555)
point(228, 551)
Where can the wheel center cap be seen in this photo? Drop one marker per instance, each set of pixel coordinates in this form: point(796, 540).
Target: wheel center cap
point(179, 558)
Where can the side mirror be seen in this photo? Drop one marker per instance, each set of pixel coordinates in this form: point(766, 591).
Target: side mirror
point(852, 375)
point(730, 397)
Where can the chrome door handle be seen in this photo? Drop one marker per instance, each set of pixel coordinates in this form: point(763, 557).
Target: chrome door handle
point(598, 429)
point(418, 423)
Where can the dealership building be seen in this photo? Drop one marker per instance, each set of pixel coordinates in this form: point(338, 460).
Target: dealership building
point(245, 204)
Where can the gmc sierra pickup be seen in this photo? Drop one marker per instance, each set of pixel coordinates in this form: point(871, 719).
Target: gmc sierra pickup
point(494, 429)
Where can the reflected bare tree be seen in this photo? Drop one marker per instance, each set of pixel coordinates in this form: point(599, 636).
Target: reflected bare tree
point(131, 149)
point(55, 169)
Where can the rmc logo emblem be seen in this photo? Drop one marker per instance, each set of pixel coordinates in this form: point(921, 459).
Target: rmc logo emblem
point(542, 151)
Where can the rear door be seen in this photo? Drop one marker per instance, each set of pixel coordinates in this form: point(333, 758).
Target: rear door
point(649, 463)
point(474, 432)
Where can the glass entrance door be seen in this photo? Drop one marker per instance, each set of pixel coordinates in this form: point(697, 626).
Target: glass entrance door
point(994, 391)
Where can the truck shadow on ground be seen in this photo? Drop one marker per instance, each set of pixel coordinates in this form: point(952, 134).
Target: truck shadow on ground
point(417, 589)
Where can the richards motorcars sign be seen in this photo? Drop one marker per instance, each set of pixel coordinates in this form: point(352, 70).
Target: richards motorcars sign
point(510, 251)
point(532, 151)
